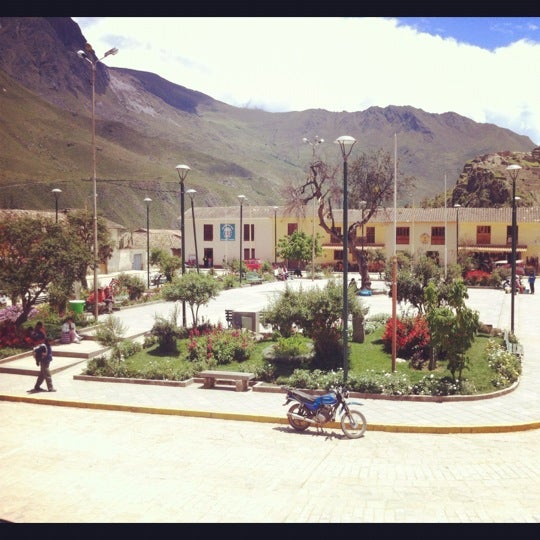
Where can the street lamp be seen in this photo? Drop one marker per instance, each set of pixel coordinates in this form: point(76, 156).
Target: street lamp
point(346, 144)
point(457, 207)
point(182, 173)
point(93, 60)
point(147, 200)
point(56, 192)
point(275, 231)
point(241, 198)
point(513, 171)
point(191, 193)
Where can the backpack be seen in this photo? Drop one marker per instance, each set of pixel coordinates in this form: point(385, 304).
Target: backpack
point(39, 352)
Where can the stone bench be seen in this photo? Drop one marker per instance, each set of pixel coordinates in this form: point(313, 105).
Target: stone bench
point(253, 278)
point(240, 378)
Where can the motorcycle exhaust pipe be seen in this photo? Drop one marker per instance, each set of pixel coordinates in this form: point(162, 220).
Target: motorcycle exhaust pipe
point(295, 416)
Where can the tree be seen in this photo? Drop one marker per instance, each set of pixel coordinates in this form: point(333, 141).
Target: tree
point(81, 225)
point(36, 252)
point(298, 247)
point(370, 179)
point(452, 325)
point(195, 289)
point(168, 264)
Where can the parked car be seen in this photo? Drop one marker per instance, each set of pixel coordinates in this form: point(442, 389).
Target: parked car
point(253, 264)
point(520, 269)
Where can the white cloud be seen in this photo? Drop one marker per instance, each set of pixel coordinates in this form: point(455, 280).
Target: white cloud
point(284, 64)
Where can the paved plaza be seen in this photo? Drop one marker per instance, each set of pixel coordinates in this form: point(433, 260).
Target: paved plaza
point(417, 462)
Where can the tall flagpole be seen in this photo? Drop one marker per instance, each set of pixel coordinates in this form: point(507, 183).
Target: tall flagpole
point(394, 266)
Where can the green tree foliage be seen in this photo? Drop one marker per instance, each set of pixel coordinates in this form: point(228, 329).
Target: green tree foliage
point(168, 264)
point(298, 247)
point(452, 325)
point(36, 252)
point(413, 277)
point(80, 224)
point(318, 314)
point(194, 289)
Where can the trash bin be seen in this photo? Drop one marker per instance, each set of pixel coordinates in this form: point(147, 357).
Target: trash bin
point(77, 306)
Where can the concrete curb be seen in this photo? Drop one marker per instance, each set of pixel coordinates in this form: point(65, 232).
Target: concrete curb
point(269, 419)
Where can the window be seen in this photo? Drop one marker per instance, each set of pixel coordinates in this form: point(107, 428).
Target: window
point(208, 233)
point(483, 234)
point(249, 231)
point(402, 235)
point(370, 235)
point(437, 236)
point(291, 227)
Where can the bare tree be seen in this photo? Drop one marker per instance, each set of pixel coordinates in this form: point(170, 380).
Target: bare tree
point(370, 179)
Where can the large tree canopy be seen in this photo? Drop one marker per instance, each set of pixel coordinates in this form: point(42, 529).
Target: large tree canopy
point(371, 184)
point(34, 253)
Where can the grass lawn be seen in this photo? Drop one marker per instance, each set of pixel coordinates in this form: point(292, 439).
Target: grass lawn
point(364, 357)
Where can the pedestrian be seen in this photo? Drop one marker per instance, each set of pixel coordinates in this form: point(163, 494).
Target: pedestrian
point(532, 279)
point(69, 332)
point(353, 285)
point(43, 355)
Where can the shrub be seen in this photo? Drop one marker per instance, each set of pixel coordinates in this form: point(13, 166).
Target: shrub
point(222, 346)
point(412, 337)
point(507, 366)
point(292, 351)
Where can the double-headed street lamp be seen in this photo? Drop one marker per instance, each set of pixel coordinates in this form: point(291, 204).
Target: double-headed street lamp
point(241, 198)
point(89, 55)
point(346, 144)
point(56, 192)
point(513, 171)
point(191, 193)
point(147, 200)
point(182, 173)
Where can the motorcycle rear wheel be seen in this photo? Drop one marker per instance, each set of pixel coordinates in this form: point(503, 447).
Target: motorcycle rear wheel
point(299, 425)
point(353, 424)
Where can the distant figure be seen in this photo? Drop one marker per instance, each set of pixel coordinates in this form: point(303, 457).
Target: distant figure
point(532, 279)
point(205, 261)
point(69, 332)
point(353, 285)
point(43, 355)
point(297, 272)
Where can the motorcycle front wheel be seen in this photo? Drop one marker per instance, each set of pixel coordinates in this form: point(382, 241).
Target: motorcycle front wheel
point(299, 425)
point(353, 424)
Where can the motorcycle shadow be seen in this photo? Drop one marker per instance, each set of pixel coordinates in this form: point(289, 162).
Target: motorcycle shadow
point(326, 433)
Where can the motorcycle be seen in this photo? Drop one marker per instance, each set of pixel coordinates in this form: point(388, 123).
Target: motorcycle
point(311, 410)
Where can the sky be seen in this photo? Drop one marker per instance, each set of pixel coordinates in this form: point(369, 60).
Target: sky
point(484, 68)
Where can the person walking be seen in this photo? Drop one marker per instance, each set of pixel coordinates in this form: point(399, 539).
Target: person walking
point(43, 355)
point(532, 279)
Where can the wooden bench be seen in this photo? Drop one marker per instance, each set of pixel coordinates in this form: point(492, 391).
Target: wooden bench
point(241, 379)
point(228, 317)
point(253, 278)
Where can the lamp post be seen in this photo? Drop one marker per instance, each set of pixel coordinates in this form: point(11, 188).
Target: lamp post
point(275, 231)
point(93, 60)
point(346, 144)
point(241, 198)
point(513, 171)
point(182, 173)
point(191, 193)
point(147, 200)
point(56, 192)
point(457, 207)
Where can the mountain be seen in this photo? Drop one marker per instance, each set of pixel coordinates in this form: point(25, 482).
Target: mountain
point(146, 125)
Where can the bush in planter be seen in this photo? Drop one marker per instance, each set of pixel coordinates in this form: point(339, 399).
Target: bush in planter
point(293, 351)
